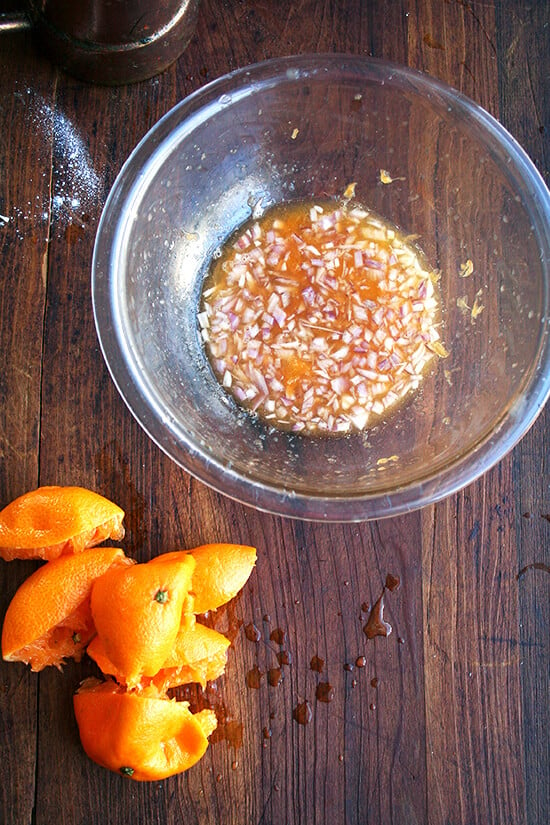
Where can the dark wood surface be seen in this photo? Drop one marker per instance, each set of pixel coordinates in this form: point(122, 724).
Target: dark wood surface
point(456, 731)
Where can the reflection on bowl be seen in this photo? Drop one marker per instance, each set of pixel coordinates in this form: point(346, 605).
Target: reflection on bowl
point(422, 156)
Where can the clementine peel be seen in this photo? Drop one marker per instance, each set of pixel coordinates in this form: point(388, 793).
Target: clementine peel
point(49, 618)
point(199, 655)
point(221, 570)
point(52, 521)
point(137, 613)
point(143, 736)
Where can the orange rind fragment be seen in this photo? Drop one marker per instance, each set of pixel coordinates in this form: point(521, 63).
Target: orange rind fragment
point(137, 613)
point(53, 521)
point(49, 618)
point(221, 571)
point(199, 655)
point(143, 736)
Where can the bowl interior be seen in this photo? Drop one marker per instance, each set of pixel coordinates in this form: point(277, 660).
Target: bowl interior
point(306, 130)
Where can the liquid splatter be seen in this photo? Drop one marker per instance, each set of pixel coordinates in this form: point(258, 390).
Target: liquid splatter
point(252, 633)
point(376, 624)
point(254, 678)
point(284, 657)
point(324, 692)
point(278, 636)
point(392, 582)
point(317, 664)
point(275, 676)
point(303, 713)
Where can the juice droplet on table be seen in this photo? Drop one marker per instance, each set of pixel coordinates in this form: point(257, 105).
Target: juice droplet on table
point(317, 664)
point(303, 713)
point(284, 657)
point(392, 582)
point(275, 676)
point(278, 636)
point(252, 633)
point(324, 692)
point(376, 624)
point(254, 677)
point(231, 731)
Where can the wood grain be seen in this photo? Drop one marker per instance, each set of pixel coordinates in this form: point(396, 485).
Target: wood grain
point(25, 168)
point(442, 722)
point(472, 655)
point(523, 37)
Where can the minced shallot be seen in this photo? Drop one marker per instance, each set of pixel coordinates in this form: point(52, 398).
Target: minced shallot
point(320, 317)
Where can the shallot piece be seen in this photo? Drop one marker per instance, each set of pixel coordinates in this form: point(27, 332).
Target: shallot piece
point(321, 318)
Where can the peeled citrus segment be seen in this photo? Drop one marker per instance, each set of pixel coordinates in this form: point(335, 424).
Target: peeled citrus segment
point(137, 613)
point(221, 571)
point(49, 618)
point(52, 521)
point(142, 736)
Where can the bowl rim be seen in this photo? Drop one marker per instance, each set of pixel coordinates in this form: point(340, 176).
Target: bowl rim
point(515, 420)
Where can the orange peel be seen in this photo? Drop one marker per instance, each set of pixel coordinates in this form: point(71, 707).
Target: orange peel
point(221, 571)
point(199, 655)
point(52, 521)
point(143, 736)
point(137, 613)
point(49, 618)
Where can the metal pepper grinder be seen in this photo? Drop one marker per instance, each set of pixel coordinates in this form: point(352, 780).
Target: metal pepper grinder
point(109, 41)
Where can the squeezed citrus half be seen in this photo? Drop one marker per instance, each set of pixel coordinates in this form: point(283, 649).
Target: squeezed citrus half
point(49, 618)
point(221, 570)
point(143, 736)
point(52, 521)
point(199, 655)
point(137, 613)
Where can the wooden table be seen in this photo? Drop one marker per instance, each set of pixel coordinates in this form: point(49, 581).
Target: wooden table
point(447, 721)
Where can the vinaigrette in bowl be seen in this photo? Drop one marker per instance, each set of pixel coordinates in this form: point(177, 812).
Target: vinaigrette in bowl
point(320, 317)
